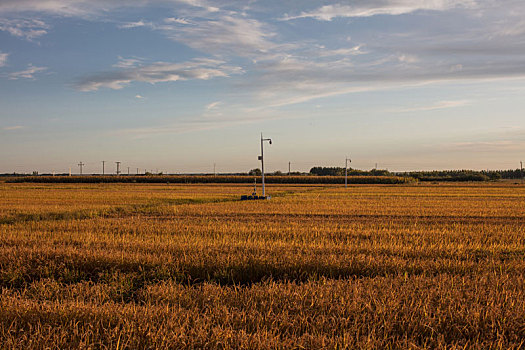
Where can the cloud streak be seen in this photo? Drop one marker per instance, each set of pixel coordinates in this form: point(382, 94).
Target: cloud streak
point(197, 69)
point(435, 106)
point(223, 34)
point(89, 8)
point(29, 29)
point(13, 127)
point(28, 73)
point(374, 7)
point(3, 59)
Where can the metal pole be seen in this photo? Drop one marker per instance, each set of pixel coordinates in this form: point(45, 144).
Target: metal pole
point(289, 163)
point(346, 171)
point(261, 157)
point(262, 165)
point(521, 167)
point(103, 165)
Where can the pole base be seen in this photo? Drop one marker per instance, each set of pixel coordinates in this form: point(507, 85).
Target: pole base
point(249, 198)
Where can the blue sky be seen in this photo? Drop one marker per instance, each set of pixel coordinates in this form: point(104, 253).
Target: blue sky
point(179, 85)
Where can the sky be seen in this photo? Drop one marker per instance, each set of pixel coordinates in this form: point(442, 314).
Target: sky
point(180, 85)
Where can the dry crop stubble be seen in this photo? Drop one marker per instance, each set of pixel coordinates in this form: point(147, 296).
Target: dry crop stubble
point(151, 265)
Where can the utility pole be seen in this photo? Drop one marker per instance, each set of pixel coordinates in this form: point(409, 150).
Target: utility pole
point(214, 173)
point(137, 171)
point(103, 167)
point(521, 172)
point(118, 167)
point(346, 170)
point(81, 165)
point(128, 170)
point(261, 158)
point(289, 164)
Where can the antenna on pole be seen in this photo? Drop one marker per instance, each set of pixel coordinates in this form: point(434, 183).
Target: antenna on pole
point(346, 170)
point(81, 165)
point(103, 167)
point(118, 167)
point(261, 158)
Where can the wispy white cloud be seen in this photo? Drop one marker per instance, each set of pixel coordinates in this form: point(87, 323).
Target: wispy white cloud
point(13, 127)
point(28, 73)
point(28, 29)
point(136, 24)
point(213, 105)
point(199, 69)
point(199, 123)
point(176, 20)
point(128, 62)
point(223, 34)
point(487, 146)
point(434, 106)
point(89, 8)
point(3, 59)
point(139, 97)
point(377, 7)
point(343, 51)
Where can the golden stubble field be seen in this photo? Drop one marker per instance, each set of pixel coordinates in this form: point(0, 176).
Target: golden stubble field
point(189, 266)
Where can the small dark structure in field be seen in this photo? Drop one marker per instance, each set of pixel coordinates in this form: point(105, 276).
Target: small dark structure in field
point(254, 195)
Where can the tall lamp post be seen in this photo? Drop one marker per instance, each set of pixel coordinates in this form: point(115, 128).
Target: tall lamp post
point(261, 158)
point(521, 171)
point(347, 160)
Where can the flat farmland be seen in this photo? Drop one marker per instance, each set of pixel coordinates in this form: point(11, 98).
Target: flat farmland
point(190, 266)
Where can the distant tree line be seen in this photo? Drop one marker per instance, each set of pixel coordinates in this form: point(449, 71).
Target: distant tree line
point(317, 172)
point(449, 175)
point(436, 175)
point(338, 171)
point(464, 175)
point(173, 179)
